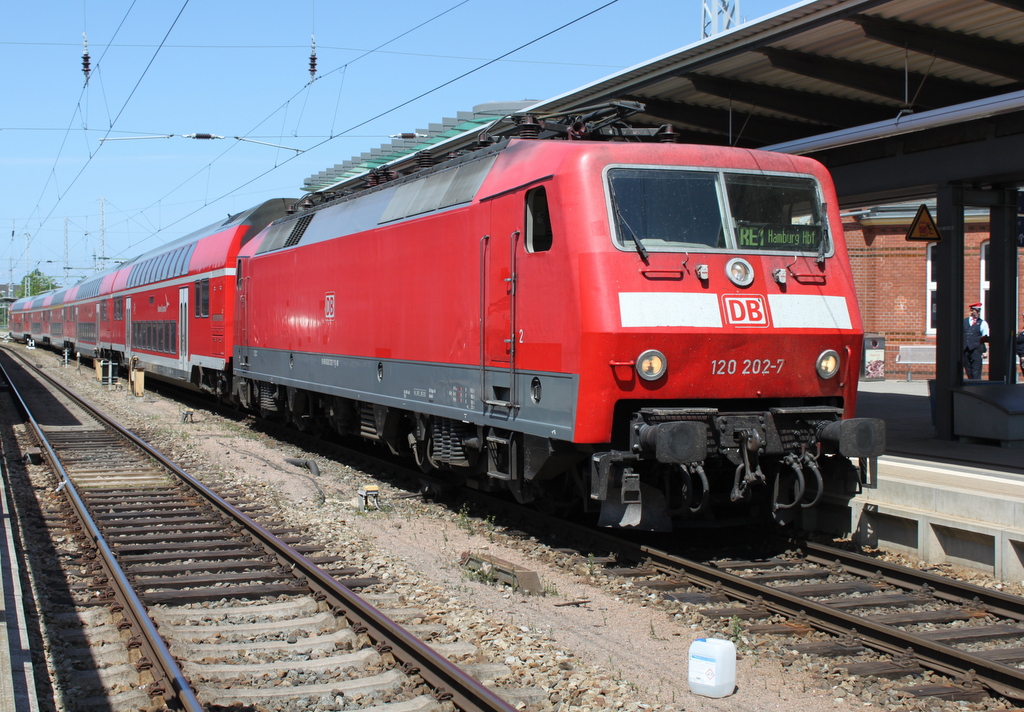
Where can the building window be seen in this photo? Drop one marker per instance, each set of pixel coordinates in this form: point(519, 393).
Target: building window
point(932, 313)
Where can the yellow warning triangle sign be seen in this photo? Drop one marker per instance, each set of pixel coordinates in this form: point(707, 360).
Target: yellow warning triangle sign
point(923, 227)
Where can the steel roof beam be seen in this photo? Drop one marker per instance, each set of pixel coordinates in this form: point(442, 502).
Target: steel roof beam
point(919, 90)
point(758, 128)
point(819, 108)
point(1005, 59)
point(1012, 4)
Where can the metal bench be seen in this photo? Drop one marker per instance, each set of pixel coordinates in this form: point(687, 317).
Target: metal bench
point(921, 354)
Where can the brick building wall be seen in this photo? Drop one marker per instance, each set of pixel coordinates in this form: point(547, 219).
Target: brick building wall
point(891, 275)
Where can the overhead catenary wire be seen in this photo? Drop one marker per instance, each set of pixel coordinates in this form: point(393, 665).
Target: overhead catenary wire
point(337, 48)
point(392, 109)
point(121, 111)
point(245, 137)
point(160, 229)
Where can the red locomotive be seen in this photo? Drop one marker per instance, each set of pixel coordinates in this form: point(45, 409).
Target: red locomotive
point(660, 333)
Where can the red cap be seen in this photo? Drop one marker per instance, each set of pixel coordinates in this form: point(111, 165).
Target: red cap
point(976, 306)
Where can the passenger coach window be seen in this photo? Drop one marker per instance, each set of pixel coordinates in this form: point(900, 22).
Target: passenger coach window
point(538, 221)
point(202, 298)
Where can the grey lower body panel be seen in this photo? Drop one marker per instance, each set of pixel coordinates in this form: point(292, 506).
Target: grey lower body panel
point(537, 403)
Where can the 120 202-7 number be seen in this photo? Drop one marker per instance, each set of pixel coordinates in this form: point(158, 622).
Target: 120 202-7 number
point(746, 367)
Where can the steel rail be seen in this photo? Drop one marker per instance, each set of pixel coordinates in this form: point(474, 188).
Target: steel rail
point(997, 602)
point(156, 649)
point(448, 681)
point(1003, 679)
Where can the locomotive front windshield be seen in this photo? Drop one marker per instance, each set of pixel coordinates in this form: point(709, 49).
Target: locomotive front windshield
point(665, 210)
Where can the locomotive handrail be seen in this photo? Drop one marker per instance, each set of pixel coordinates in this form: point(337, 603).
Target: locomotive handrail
point(662, 273)
point(820, 278)
point(798, 276)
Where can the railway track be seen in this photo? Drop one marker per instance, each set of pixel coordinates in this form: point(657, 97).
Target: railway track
point(918, 621)
point(172, 595)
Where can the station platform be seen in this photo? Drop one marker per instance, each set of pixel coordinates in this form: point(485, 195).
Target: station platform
point(906, 408)
point(943, 501)
point(17, 679)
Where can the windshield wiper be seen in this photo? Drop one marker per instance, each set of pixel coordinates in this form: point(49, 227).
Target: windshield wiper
point(640, 249)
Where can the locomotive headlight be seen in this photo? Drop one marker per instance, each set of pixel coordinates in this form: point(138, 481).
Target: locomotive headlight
point(828, 364)
point(651, 365)
point(739, 271)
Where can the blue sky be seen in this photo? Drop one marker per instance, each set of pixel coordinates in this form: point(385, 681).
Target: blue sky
point(242, 69)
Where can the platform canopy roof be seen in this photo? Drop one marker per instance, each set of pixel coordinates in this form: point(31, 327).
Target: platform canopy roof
point(846, 81)
point(824, 66)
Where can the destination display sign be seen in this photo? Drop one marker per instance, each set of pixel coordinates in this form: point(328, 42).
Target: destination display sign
point(803, 238)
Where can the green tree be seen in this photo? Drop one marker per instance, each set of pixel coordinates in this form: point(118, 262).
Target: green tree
point(35, 282)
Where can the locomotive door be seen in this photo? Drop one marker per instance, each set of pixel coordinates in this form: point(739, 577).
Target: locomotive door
point(183, 329)
point(498, 307)
point(242, 287)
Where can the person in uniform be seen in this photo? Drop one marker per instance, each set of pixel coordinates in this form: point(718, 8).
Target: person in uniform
point(975, 337)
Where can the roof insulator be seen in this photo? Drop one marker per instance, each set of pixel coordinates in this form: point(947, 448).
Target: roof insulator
point(529, 128)
point(667, 133)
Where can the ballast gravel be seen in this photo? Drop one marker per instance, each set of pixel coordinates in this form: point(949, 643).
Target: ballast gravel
point(591, 642)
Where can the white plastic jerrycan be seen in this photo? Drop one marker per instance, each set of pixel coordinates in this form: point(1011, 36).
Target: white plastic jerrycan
point(712, 670)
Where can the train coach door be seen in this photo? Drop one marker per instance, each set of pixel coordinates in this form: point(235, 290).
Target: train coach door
point(183, 329)
point(128, 330)
point(498, 307)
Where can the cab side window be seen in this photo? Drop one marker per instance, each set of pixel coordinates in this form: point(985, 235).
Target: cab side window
point(538, 221)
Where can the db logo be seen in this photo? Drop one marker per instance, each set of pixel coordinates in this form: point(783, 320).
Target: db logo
point(329, 306)
point(745, 310)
